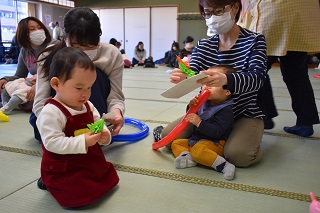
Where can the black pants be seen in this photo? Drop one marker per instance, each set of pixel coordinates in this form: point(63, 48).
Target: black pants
point(135, 61)
point(294, 72)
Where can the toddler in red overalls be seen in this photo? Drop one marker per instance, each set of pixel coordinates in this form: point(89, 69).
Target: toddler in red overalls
point(73, 167)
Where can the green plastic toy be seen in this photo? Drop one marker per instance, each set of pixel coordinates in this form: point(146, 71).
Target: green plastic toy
point(96, 127)
point(184, 67)
point(186, 70)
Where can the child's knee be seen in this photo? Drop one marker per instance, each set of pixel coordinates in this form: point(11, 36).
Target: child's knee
point(196, 152)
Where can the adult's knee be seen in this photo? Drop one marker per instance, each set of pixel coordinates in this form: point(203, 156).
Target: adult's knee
point(242, 157)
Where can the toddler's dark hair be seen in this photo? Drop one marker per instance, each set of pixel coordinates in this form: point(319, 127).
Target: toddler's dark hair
point(65, 60)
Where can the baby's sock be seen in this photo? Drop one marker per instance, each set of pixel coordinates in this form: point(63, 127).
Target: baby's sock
point(184, 160)
point(3, 117)
point(6, 108)
point(221, 165)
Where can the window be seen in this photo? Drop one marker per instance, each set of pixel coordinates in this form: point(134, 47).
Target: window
point(61, 2)
point(11, 12)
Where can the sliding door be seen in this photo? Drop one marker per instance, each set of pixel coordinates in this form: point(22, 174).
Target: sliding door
point(112, 25)
point(164, 30)
point(137, 28)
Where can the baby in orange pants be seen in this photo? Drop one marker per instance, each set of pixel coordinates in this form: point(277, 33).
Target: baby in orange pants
point(212, 126)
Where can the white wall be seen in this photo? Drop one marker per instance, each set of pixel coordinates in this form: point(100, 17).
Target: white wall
point(156, 27)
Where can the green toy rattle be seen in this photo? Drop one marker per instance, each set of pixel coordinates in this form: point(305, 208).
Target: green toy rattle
point(96, 127)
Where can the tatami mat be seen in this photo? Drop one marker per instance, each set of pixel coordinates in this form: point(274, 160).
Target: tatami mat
point(149, 182)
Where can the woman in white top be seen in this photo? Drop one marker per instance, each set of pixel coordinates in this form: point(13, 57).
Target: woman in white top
point(139, 54)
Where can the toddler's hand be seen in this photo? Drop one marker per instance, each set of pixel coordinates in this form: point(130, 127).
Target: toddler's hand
point(194, 101)
point(105, 138)
point(193, 118)
point(91, 139)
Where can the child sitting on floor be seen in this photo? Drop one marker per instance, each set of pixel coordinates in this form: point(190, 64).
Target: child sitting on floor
point(14, 94)
point(149, 63)
point(211, 128)
point(73, 167)
point(126, 61)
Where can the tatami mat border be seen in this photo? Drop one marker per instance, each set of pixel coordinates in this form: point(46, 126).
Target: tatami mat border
point(185, 178)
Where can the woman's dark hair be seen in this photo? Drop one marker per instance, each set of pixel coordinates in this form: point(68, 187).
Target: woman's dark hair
point(175, 44)
point(137, 47)
point(188, 39)
point(63, 69)
point(81, 26)
point(220, 3)
point(113, 41)
point(22, 34)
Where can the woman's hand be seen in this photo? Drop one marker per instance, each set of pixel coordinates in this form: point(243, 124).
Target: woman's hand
point(31, 93)
point(2, 83)
point(213, 79)
point(177, 76)
point(117, 121)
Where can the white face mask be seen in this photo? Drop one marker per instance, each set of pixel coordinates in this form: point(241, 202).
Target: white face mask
point(91, 53)
point(174, 48)
point(220, 24)
point(189, 45)
point(37, 37)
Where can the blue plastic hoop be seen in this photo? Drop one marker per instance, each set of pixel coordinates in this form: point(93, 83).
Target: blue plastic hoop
point(133, 137)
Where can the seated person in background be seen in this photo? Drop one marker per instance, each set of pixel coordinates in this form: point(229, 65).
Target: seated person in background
point(14, 50)
point(113, 41)
point(212, 125)
point(126, 61)
point(33, 36)
point(171, 60)
point(148, 63)
point(118, 44)
point(139, 54)
point(8, 59)
point(162, 60)
point(15, 93)
point(188, 47)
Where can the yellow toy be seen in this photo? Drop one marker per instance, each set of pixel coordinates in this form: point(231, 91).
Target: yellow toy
point(4, 117)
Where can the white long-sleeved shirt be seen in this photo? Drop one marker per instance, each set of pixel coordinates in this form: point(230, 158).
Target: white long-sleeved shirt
point(51, 124)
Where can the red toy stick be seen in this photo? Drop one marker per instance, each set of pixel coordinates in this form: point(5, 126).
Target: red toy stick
point(204, 95)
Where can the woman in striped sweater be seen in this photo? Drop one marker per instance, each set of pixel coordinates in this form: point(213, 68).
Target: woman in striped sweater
point(245, 51)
